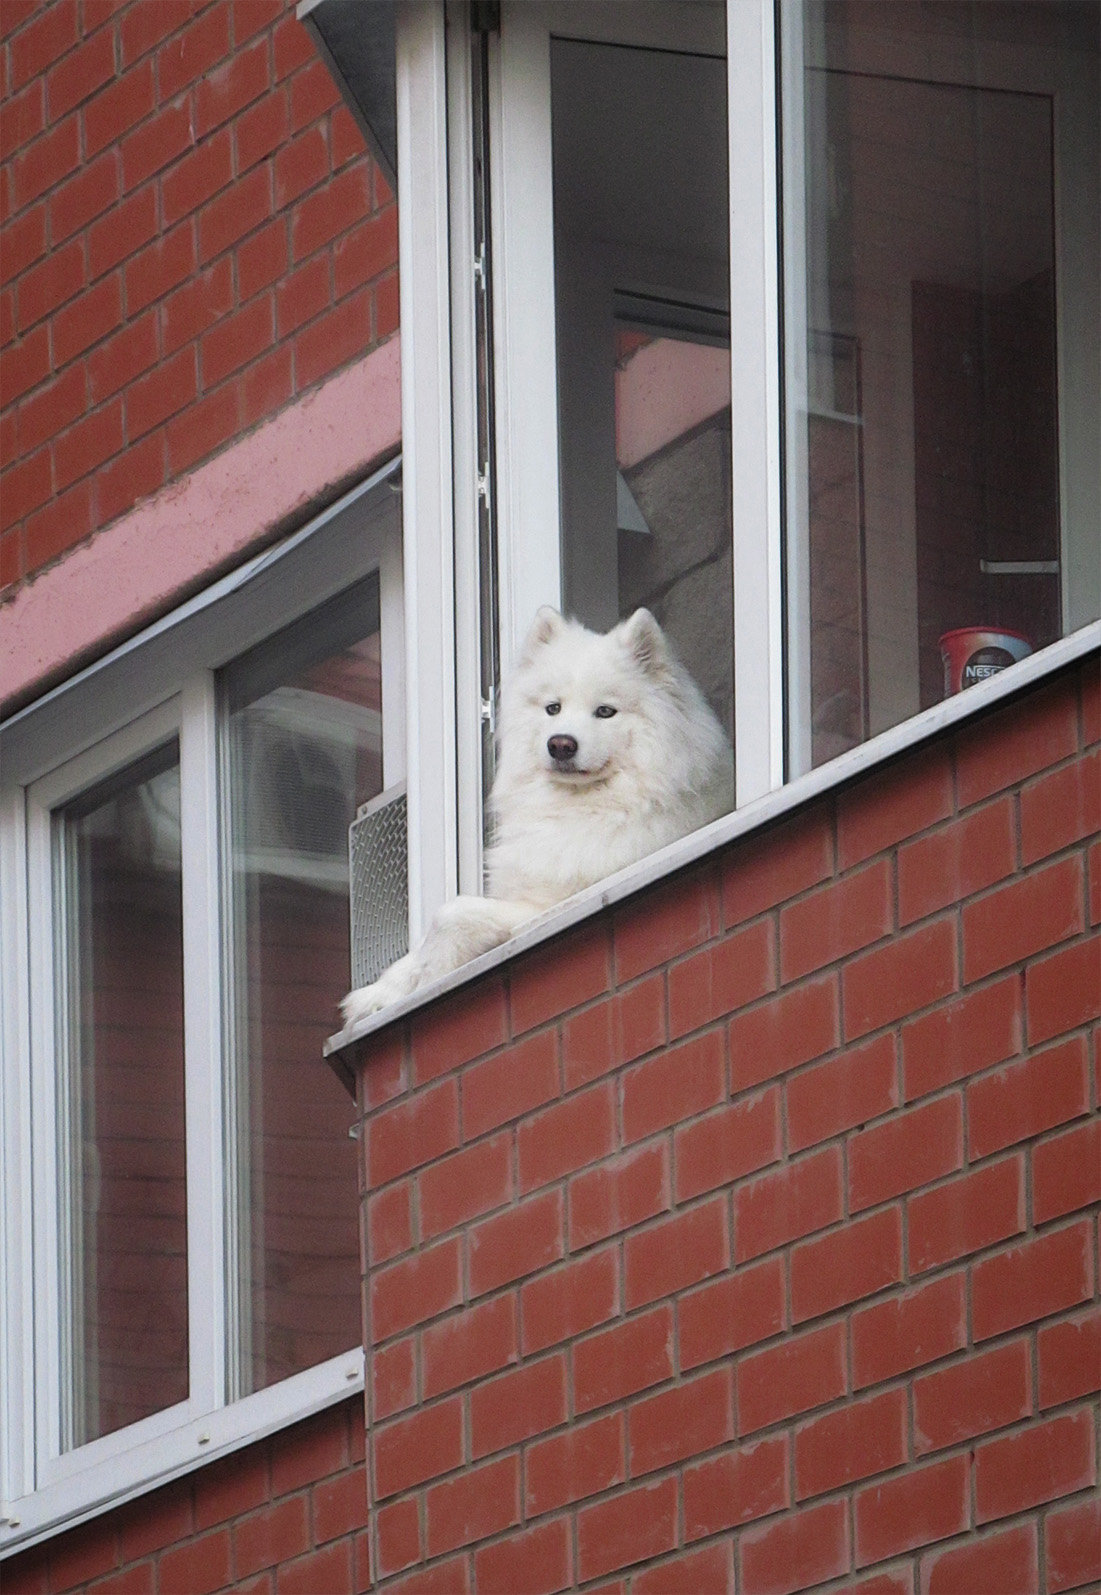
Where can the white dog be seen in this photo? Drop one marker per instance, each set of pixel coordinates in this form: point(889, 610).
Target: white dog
point(606, 751)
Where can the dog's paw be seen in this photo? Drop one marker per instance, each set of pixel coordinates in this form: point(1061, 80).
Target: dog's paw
point(394, 983)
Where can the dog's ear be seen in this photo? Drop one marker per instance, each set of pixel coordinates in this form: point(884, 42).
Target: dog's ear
point(645, 641)
point(547, 625)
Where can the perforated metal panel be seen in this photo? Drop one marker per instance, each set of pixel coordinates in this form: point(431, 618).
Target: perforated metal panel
point(378, 850)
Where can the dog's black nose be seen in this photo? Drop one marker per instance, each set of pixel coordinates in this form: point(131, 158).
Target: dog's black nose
point(561, 749)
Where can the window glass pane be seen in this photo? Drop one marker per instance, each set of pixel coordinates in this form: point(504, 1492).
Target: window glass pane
point(926, 522)
point(641, 232)
point(124, 1225)
point(304, 750)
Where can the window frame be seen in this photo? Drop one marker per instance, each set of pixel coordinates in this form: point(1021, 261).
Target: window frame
point(159, 685)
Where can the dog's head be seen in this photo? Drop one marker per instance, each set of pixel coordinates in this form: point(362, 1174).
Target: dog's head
point(572, 708)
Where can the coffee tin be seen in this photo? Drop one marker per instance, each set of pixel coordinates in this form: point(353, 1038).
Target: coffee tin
point(973, 653)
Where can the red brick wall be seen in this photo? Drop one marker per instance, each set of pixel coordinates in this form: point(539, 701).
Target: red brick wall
point(746, 1237)
point(284, 1517)
point(192, 236)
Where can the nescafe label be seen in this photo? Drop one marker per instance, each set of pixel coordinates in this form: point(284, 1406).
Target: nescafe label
point(987, 662)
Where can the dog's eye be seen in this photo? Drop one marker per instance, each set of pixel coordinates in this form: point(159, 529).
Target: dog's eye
point(604, 711)
point(554, 708)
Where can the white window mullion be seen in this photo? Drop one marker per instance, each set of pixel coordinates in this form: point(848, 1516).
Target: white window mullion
point(427, 470)
point(207, 1208)
point(755, 400)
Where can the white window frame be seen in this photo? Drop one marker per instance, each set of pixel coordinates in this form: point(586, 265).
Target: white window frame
point(160, 685)
point(770, 667)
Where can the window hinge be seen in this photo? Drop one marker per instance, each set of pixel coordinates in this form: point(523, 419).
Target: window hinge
point(487, 711)
point(482, 487)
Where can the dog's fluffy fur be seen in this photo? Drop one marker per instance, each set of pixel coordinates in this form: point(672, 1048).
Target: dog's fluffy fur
point(606, 751)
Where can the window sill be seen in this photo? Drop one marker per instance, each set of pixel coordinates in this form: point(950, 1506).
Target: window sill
point(341, 1048)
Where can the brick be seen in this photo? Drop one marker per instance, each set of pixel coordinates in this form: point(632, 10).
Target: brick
point(308, 1452)
point(1015, 742)
point(956, 861)
point(569, 1300)
point(88, 444)
point(87, 194)
point(475, 1505)
point(201, 174)
point(909, 1331)
point(42, 41)
point(726, 1145)
point(1066, 1172)
point(790, 1029)
point(393, 1378)
point(24, 243)
point(202, 429)
point(25, 365)
point(906, 1151)
point(1073, 1546)
point(291, 46)
point(619, 1194)
point(733, 1312)
point(837, 1269)
point(342, 334)
point(585, 1459)
point(539, 1558)
point(892, 982)
point(193, 52)
point(1042, 1276)
point(1005, 1561)
point(548, 982)
point(198, 1567)
point(445, 1578)
point(611, 1033)
point(387, 306)
point(466, 1185)
point(676, 1084)
point(529, 1400)
point(412, 1133)
point(122, 231)
point(302, 295)
point(674, 1253)
point(1061, 808)
point(301, 164)
point(842, 1093)
point(1063, 991)
point(313, 93)
point(51, 284)
point(230, 87)
point(226, 1488)
point(631, 1527)
point(566, 1136)
point(788, 1202)
point(422, 1446)
point(967, 1214)
point(1037, 1464)
point(458, 1029)
point(517, 1242)
point(50, 411)
point(838, 919)
point(620, 1361)
point(118, 107)
point(230, 216)
point(79, 74)
point(909, 796)
point(91, 317)
point(781, 862)
point(962, 1037)
point(415, 1289)
point(133, 476)
point(365, 251)
point(46, 163)
point(916, 1508)
point(708, 1568)
point(1069, 1359)
point(163, 266)
point(160, 140)
point(328, 1568)
point(804, 1371)
point(266, 386)
point(666, 921)
point(854, 1442)
point(509, 1084)
point(27, 484)
point(328, 212)
point(1028, 916)
point(23, 118)
point(397, 1531)
point(987, 1390)
point(720, 979)
point(807, 1548)
point(686, 1421)
point(139, 33)
point(59, 525)
point(278, 1533)
point(1022, 1101)
point(261, 130)
point(236, 340)
point(144, 1528)
point(468, 1345)
point(740, 1484)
